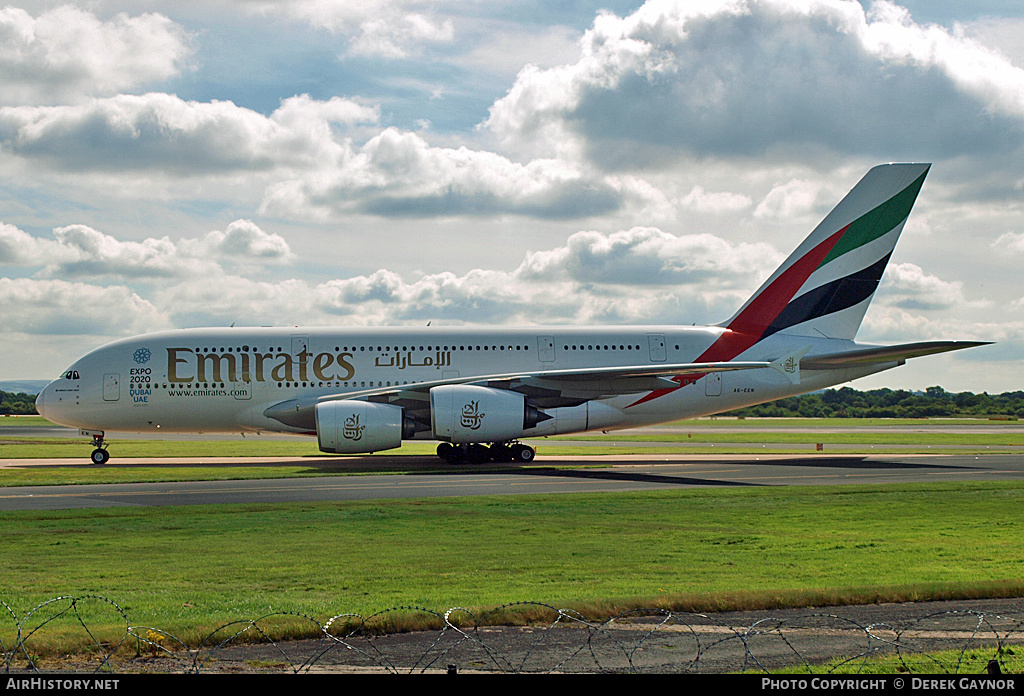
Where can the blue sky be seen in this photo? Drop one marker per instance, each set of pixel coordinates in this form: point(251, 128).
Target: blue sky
point(324, 162)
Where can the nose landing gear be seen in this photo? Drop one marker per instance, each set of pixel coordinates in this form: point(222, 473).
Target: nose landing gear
point(100, 454)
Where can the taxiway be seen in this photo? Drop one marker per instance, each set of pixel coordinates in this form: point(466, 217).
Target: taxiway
point(563, 475)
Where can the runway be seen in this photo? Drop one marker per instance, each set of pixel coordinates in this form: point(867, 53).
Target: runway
point(562, 475)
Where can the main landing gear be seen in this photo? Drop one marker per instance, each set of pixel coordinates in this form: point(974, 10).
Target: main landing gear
point(100, 455)
point(480, 454)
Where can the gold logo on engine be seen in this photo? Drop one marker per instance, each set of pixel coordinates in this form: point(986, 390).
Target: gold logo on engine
point(471, 415)
point(352, 430)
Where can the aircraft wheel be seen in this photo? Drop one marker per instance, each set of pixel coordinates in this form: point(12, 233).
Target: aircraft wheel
point(447, 452)
point(523, 453)
point(501, 453)
point(478, 454)
point(100, 456)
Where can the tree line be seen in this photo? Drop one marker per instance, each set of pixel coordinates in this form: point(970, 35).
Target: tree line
point(847, 402)
point(17, 404)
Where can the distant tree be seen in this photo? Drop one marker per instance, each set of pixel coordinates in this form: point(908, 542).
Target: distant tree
point(847, 402)
point(17, 404)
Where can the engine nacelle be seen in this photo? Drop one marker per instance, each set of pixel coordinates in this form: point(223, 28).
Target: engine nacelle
point(464, 414)
point(593, 415)
point(351, 427)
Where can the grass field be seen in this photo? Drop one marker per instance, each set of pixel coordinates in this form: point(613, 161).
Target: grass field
point(190, 570)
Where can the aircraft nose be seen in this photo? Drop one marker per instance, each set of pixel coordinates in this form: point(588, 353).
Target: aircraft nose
point(41, 400)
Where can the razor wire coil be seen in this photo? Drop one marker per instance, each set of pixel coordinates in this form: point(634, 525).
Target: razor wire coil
point(644, 641)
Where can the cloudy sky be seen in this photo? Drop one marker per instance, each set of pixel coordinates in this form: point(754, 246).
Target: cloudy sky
point(324, 162)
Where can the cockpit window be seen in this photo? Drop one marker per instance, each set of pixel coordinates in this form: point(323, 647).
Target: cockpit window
point(71, 374)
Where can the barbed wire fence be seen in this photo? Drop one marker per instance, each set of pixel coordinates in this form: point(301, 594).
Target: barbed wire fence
point(645, 641)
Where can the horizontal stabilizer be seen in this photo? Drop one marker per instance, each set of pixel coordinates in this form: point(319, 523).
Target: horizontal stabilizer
point(884, 354)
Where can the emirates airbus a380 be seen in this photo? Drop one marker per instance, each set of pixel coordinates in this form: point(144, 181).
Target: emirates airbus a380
point(479, 390)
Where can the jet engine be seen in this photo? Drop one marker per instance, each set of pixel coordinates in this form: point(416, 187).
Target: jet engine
point(350, 427)
point(463, 414)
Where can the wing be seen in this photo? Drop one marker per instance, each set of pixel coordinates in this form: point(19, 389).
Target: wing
point(544, 388)
point(883, 354)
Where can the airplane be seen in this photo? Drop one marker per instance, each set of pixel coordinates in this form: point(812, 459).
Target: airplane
point(480, 391)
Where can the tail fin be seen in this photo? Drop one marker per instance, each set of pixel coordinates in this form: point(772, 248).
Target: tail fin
point(825, 286)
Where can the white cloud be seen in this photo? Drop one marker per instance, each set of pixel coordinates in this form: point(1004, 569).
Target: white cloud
point(224, 299)
point(72, 308)
point(392, 36)
point(505, 49)
point(305, 152)
point(907, 286)
point(789, 200)
point(708, 202)
point(242, 241)
point(81, 252)
point(161, 132)
point(399, 173)
point(67, 53)
point(382, 28)
point(19, 248)
point(640, 275)
point(646, 256)
point(478, 297)
point(892, 36)
point(777, 78)
point(1001, 34)
point(692, 128)
point(1012, 242)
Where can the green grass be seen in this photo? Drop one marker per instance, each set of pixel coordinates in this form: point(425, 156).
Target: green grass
point(189, 570)
point(24, 421)
point(61, 447)
point(971, 658)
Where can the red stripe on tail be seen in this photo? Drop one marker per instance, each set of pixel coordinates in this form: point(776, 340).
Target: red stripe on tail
point(748, 327)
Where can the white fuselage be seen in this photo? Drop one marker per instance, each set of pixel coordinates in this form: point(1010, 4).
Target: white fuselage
point(222, 380)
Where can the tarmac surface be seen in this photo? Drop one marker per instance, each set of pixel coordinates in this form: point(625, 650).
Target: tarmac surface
point(565, 475)
point(691, 643)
